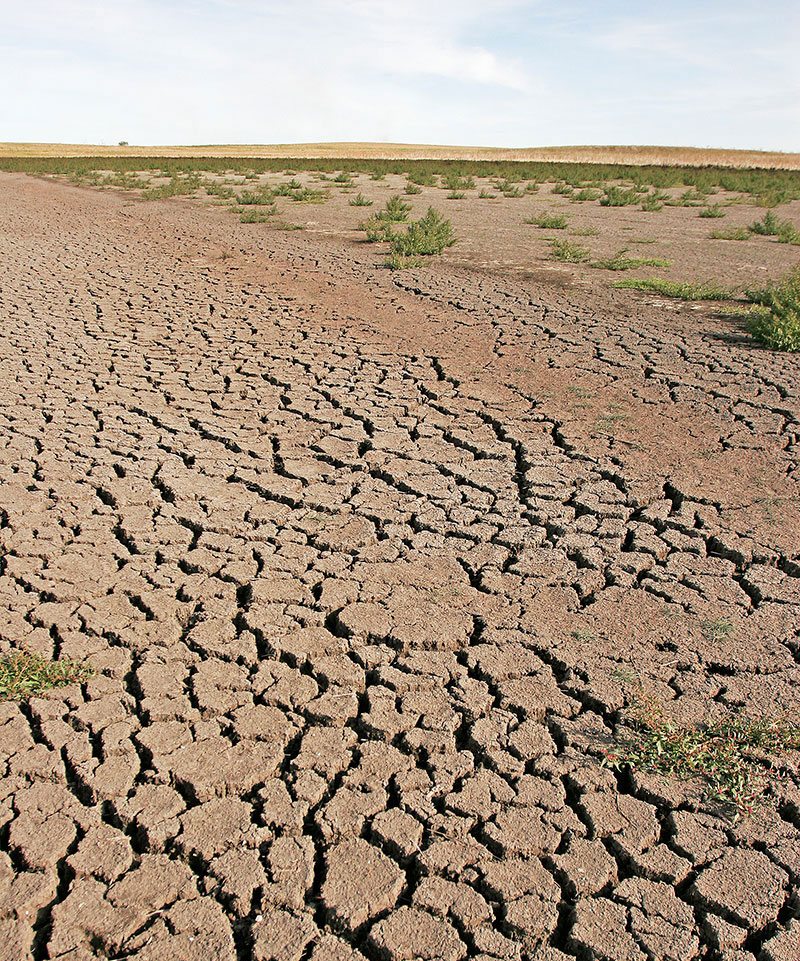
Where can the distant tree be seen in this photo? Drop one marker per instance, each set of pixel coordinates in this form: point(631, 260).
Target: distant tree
point(123, 143)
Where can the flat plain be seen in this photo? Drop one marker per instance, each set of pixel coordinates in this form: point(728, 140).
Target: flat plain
point(380, 574)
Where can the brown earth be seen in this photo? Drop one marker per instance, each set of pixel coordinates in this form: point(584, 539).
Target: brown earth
point(368, 565)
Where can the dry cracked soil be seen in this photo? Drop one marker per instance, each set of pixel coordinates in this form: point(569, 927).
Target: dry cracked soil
point(368, 565)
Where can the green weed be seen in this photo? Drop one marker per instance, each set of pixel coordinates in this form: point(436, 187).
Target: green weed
point(617, 197)
point(712, 210)
point(24, 675)
point(767, 226)
point(257, 215)
point(359, 201)
point(585, 193)
point(549, 221)
point(567, 252)
point(396, 210)
point(620, 262)
point(412, 188)
point(780, 328)
point(733, 756)
point(430, 235)
point(668, 288)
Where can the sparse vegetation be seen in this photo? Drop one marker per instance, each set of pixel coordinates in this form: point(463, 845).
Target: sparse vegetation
point(733, 756)
point(359, 201)
point(430, 235)
point(549, 221)
point(585, 193)
point(567, 252)
point(619, 261)
point(731, 233)
point(24, 675)
point(257, 215)
point(396, 210)
point(713, 210)
point(779, 326)
point(618, 197)
point(767, 226)
point(412, 188)
point(668, 288)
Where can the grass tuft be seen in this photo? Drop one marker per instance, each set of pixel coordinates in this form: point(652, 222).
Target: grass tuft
point(712, 210)
point(618, 197)
point(256, 215)
point(549, 221)
point(24, 675)
point(359, 201)
point(567, 252)
point(669, 288)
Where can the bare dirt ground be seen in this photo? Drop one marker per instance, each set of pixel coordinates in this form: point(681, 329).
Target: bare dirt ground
point(368, 565)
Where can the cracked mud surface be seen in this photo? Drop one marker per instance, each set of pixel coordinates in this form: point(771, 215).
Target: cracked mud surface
point(364, 563)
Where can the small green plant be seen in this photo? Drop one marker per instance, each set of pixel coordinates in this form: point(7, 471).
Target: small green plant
point(652, 204)
point(712, 210)
point(788, 233)
point(767, 226)
point(586, 232)
point(780, 327)
point(564, 189)
point(508, 189)
point(412, 188)
point(733, 756)
point(486, 194)
point(396, 210)
point(455, 183)
point(456, 195)
point(257, 215)
point(24, 675)
point(585, 193)
point(689, 198)
point(731, 233)
point(617, 197)
point(305, 195)
point(377, 230)
point(254, 197)
point(531, 187)
point(422, 179)
point(567, 252)
point(669, 288)
point(430, 235)
point(549, 221)
point(620, 262)
point(285, 225)
point(343, 178)
point(359, 201)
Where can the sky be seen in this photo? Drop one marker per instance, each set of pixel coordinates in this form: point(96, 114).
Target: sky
point(505, 73)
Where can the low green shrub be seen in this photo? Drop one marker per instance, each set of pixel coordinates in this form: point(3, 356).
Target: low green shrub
point(549, 221)
point(567, 252)
point(430, 235)
point(359, 201)
point(780, 328)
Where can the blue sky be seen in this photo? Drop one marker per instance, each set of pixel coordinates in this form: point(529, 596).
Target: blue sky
point(481, 72)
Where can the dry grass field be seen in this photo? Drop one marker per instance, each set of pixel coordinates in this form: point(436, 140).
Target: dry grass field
point(688, 156)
